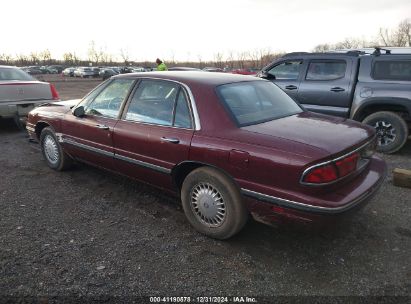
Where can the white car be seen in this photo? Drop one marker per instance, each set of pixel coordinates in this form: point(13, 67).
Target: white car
point(84, 72)
point(69, 72)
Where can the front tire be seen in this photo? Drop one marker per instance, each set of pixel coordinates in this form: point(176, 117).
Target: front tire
point(213, 204)
point(391, 128)
point(52, 151)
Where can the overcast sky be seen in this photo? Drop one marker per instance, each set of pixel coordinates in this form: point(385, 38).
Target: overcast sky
point(189, 29)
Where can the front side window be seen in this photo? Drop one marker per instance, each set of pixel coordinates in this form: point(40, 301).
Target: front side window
point(256, 102)
point(286, 70)
point(107, 103)
point(326, 70)
point(161, 103)
point(392, 70)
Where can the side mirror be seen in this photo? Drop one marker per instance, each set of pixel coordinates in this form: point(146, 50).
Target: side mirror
point(266, 75)
point(79, 111)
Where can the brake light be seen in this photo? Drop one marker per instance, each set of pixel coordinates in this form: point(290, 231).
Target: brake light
point(347, 165)
point(54, 93)
point(323, 174)
point(332, 171)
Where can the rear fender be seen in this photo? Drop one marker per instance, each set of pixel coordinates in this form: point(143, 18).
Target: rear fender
point(364, 107)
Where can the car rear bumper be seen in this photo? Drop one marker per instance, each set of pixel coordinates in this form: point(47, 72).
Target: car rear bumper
point(349, 197)
point(10, 109)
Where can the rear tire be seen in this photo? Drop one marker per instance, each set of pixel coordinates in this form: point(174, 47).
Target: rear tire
point(213, 204)
point(52, 151)
point(392, 130)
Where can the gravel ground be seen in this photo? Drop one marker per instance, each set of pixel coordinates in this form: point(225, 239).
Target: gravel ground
point(71, 87)
point(86, 232)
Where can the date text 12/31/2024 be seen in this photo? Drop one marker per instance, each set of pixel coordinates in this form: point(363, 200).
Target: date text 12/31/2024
point(203, 300)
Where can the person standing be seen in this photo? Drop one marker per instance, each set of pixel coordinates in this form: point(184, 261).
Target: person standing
point(161, 66)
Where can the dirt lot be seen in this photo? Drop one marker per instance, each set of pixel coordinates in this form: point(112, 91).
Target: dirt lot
point(71, 87)
point(89, 233)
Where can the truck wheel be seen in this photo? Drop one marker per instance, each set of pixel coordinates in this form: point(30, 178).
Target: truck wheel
point(52, 151)
point(213, 204)
point(391, 128)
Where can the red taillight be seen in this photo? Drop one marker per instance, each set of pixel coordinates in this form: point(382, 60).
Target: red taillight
point(320, 175)
point(347, 165)
point(54, 93)
point(332, 171)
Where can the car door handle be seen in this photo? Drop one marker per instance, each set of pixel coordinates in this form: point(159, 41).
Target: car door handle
point(291, 87)
point(170, 140)
point(103, 127)
point(337, 89)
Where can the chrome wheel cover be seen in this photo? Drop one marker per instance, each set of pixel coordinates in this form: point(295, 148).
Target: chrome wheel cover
point(51, 150)
point(386, 133)
point(208, 205)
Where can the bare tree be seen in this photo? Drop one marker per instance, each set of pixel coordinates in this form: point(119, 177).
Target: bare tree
point(241, 59)
point(6, 59)
point(230, 59)
point(124, 55)
point(106, 58)
point(70, 58)
point(34, 57)
point(200, 61)
point(401, 36)
point(94, 55)
point(45, 56)
point(404, 30)
point(349, 43)
point(323, 48)
point(218, 59)
point(172, 60)
point(255, 58)
point(22, 59)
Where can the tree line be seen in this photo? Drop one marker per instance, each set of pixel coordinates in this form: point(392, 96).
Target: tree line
point(399, 36)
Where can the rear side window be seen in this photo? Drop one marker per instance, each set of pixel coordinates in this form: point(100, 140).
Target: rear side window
point(160, 103)
point(153, 102)
point(255, 102)
point(286, 70)
point(392, 70)
point(182, 117)
point(326, 70)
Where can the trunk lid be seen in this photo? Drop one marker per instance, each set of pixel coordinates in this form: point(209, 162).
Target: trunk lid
point(17, 91)
point(327, 133)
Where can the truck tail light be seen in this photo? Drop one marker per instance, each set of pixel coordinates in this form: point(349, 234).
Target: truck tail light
point(331, 171)
point(54, 93)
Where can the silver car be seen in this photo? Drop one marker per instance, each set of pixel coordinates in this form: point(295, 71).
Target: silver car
point(83, 72)
point(20, 93)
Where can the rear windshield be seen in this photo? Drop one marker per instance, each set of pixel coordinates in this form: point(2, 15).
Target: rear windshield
point(14, 74)
point(255, 102)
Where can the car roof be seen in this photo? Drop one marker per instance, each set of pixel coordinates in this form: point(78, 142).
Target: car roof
point(9, 67)
point(210, 78)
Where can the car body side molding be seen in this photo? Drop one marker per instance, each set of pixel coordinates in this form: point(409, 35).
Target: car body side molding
point(116, 156)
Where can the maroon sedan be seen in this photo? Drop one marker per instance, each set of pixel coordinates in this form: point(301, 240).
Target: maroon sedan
point(229, 145)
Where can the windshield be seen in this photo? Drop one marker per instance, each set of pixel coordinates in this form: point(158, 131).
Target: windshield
point(255, 102)
point(14, 74)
